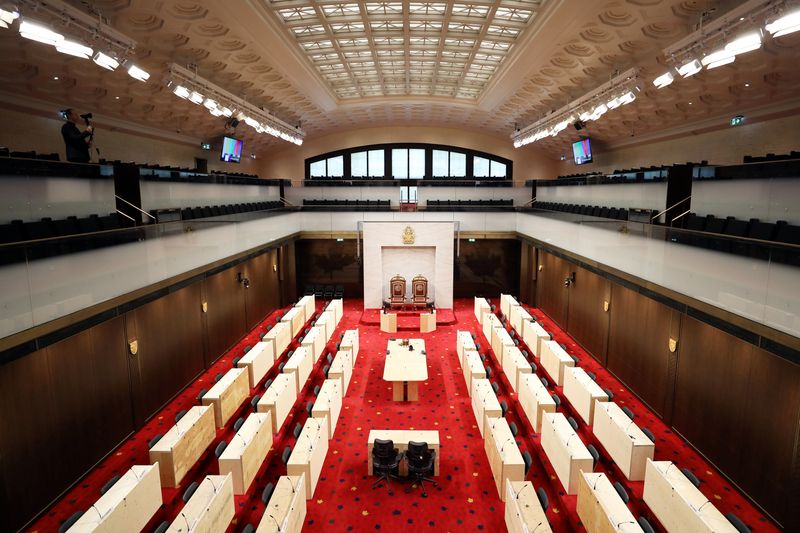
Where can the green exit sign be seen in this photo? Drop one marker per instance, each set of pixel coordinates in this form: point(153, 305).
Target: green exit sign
point(738, 120)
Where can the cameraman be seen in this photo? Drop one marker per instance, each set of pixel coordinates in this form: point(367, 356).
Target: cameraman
point(76, 141)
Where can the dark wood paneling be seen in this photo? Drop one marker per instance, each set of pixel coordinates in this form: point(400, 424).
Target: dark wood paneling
point(260, 298)
point(328, 262)
point(170, 345)
point(225, 319)
point(550, 289)
point(487, 267)
point(638, 345)
point(288, 273)
point(587, 320)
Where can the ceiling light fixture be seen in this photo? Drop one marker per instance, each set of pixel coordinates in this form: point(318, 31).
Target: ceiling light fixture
point(181, 92)
point(690, 68)
point(136, 72)
point(7, 17)
point(663, 80)
point(785, 25)
point(74, 48)
point(196, 97)
point(106, 61)
point(39, 32)
point(744, 44)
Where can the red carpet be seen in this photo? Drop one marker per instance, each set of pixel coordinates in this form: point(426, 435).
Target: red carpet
point(466, 497)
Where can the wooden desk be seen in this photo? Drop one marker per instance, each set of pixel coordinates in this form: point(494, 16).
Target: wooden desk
point(482, 308)
point(350, 342)
point(209, 510)
point(622, 439)
point(464, 342)
point(565, 450)
point(600, 508)
point(506, 302)
point(518, 318)
point(504, 456)
point(554, 359)
point(295, 318)
point(427, 322)
point(388, 322)
point(535, 400)
point(403, 366)
point(328, 404)
point(227, 395)
point(299, 365)
point(278, 337)
point(126, 506)
point(178, 450)
point(327, 322)
point(582, 392)
point(678, 504)
point(484, 403)
point(309, 453)
point(257, 362)
point(279, 399)
point(401, 438)
point(515, 365)
point(342, 369)
point(490, 322)
point(314, 342)
point(500, 340)
point(534, 335)
point(246, 451)
point(337, 307)
point(286, 509)
point(309, 305)
point(473, 368)
point(524, 513)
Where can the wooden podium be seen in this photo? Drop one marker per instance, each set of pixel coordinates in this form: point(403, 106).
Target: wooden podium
point(427, 322)
point(388, 322)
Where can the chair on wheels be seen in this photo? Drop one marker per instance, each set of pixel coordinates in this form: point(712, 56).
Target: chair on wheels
point(420, 462)
point(385, 459)
point(397, 291)
point(419, 291)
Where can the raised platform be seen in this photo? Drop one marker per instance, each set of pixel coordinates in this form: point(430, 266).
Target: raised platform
point(407, 320)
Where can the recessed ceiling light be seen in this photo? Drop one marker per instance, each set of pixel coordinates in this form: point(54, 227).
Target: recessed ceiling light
point(690, 103)
point(116, 98)
point(55, 78)
point(747, 85)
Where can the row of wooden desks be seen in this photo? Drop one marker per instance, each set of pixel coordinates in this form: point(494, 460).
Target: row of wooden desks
point(482, 308)
point(227, 395)
point(464, 341)
point(506, 303)
point(484, 403)
point(328, 404)
point(350, 342)
point(247, 450)
point(299, 365)
point(308, 305)
point(534, 335)
point(295, 318)
point(535, 400)
point(278, 338)
point(210, 509)
point(515, 365)
point(627, 445)
point(342, 369)
point(503, 453)
point(315, 341)
point(178, 450)
point(600, 507)
point(309, 453)
point(279, 399)
point(518, 317)
point(524, 513)
point(257, 361)
point(286, 510)
point(554, 360)
point(582, 392)
point(473, 368)
point(565, 450)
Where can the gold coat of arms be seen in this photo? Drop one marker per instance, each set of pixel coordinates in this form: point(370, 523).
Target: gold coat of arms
point(408, 235)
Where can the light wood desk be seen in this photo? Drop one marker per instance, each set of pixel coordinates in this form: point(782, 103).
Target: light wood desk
point(299, 365)
point(327, 322)
point(565, 450)
point(490, 321)
point(482, 308)
point(328, 404)
point(337, 307)
point(209, 510)
point(401, 438)
point(279, 338)
point(500, 340)
point(309, 453)
point(388, 322)
point(514, 366)
point(257, 362)
point(464, 341)
point(309, 305)
point(678, 504)
point(342, 369)
point(295, 318)
point(404, 365)
point(473, 368)
point(534, 335)
point(127, 506)
point(427, 322)
point(484, 403)
point(504, 456)
point(279, 399)
point(286, 509)
point(554, 359)
point(582, 392)
point(601, 509)
point(506, 303)
point(178, 450)
point(314, 342)
point(627, 445)
point(524, 513)
point(518, 318)
point(227, 395)
point(535, 400)
point(350, 342)
point(247, 450)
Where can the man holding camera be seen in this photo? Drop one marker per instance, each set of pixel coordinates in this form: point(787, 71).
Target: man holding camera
point(77, 141)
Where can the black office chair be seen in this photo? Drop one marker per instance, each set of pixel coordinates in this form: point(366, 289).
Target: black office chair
point(179, 415)
point(298, 428)
point(110, 483)
point(736, 522)
point(189, 492)
point(691, 477)
point(254, 402)
point(528, 460)
point(70, 522)
point(162, 527)
point(220, 448)
point(609, 393)
point(573, 423)
point(594, 453)
point(645, 525)
point(266, 494)
point(238, 424)
point(201, 394)
point(542, 495)
point(385, 459)
point(420, 462)
point(628, 412)
point(154, 440)
point(621, 491)
point(287, 452)
point(649, 434)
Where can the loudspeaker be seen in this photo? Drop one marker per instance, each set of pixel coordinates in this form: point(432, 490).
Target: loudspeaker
point(233, 122)
point(579, 125)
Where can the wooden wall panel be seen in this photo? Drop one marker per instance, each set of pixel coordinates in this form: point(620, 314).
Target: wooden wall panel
point(170, 345)
point(262, 297)
point(327, 262)
point(225, 321)
point(550, 290)
point(487, 267)
point(587, 320)
point(638, 352)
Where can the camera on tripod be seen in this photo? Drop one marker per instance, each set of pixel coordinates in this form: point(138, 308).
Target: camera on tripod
point(87, 118)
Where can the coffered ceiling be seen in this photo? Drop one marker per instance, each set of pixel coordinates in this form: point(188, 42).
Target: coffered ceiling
point(327, 65)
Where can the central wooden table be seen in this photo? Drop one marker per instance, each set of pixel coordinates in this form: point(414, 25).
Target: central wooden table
point(401, 438)
point(405, 365)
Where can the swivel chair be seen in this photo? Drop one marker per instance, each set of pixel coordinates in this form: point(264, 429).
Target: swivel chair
point(385, 459)
point(420, 462)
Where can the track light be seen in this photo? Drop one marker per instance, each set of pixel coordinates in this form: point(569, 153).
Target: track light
point(613, 103)
point(690, 68)
point(718, 58)
point(137, 73)
point(785, 25)
point(210, 104)
point(74, 48)
point(36, 31)
point(627, 98)
point(253, 123)
point(105, 61)
point(744, 44)
point(181, 92)
point(7, 18)
point(196, 97)
point(663, 80)
point(226, 111)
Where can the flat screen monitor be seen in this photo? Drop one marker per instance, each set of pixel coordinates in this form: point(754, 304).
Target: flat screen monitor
point(582, 152)
point(231, 150)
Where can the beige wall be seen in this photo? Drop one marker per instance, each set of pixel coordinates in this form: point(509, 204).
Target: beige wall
point(23, 131)
point(726, 146)
point(289, 162)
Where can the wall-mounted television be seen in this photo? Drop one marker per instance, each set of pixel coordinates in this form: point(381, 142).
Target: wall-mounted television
point(231, 150)
point(582, 151)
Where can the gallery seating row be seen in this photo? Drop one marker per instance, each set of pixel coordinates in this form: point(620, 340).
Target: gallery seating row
point(194, 213)
point(325, 292)
point(770, 157)
point(361, 205)
point(466, 205)
point(5, 152)
point(588, 210)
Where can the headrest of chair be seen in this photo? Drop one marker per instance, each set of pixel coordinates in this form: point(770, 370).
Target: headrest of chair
point(381, 446)
point(415, 448)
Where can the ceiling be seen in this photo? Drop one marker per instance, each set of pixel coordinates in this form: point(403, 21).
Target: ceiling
point(331, 65)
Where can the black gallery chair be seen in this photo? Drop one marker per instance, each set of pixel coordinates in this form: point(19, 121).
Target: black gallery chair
point(385, 460)
point(420, 462)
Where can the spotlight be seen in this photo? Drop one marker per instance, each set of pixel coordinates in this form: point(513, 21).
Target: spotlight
point(181, 92)
point(627, 98)
point(663, 80)
point(690, 69)
point(36, 31)
point(105, 61)
point(205, 146)
point(196, 97)
point(210, 104)
point(718, 58)
point(785, 25)
point(744, 44)
point(74, 48)
point(7, 18)
point(137, 73)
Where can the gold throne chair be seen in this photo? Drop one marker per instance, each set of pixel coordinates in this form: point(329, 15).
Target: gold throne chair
point(397, 291)
point(419, 291)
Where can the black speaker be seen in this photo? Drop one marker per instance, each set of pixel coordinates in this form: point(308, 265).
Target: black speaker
point(233, 122)
point(579, 125)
